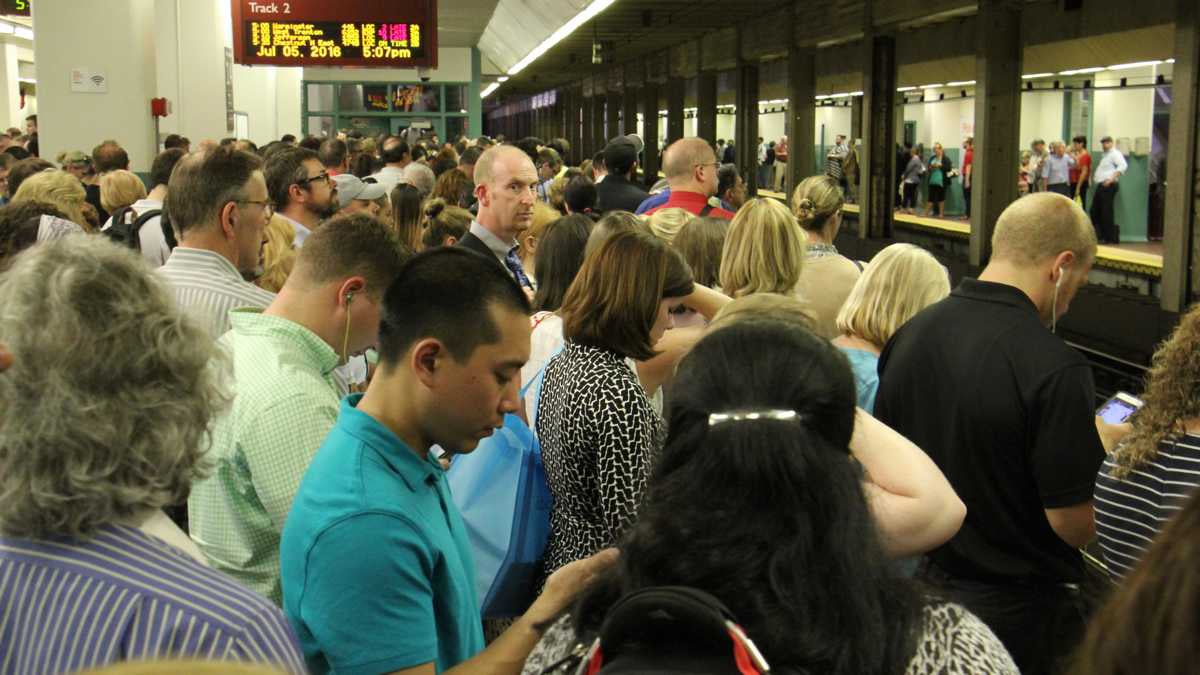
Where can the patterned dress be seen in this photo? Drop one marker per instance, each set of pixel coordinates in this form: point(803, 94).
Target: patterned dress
point(953, 642)
point(598, 433)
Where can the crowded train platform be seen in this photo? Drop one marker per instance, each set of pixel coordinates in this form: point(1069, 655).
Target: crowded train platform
point(618, 336)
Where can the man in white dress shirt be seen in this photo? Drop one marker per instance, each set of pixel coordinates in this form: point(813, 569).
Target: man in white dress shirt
point(1108, 172)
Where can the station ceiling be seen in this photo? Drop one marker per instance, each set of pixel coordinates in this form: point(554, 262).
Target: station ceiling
point(630, 29)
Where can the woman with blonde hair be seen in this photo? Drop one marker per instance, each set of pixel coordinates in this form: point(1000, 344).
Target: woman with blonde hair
point(278, 254)
point(543, 215)
point(900, 281)
point(666, 223)
point(764, 250)
point(1153, 470)
point(57, 188)
point(119, 189)
point(444, 224)
point(828, 276)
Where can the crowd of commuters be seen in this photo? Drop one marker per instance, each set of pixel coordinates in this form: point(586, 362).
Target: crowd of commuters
point(232, 393)
point(1060, 168)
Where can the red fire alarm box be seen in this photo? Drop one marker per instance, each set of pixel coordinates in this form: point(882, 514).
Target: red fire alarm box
point(158, 107)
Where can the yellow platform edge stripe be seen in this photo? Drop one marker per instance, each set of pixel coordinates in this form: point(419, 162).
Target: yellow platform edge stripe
point(1107, 256)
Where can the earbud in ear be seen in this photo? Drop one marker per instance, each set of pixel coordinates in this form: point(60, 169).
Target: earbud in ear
point(349, 297)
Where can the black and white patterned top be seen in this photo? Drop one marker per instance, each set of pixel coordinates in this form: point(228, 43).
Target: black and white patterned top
point(598, 433)
point(953, 642)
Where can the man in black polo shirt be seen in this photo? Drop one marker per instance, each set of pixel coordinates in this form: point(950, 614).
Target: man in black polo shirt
point(1005, 409)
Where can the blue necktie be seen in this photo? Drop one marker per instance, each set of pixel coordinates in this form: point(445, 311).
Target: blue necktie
point(514, 265)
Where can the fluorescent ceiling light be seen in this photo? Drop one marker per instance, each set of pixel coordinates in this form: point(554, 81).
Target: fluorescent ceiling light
point(931, 86)
point(502, 78)
point(964, 83)
point(856, 93)
point(822, 97)
point(490, 88)
point(840, 94)
point(1170, 61)
point(6, 28)
point(23, 32)
point(1137, 64)
point(906, 88)
point(28, 80)
point(563, 31)
point(1034, 76)
point(1081, 71)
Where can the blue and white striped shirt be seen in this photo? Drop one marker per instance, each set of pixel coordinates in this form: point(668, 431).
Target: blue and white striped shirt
point(1130, 512)
point(207, 287)
point(68, 604)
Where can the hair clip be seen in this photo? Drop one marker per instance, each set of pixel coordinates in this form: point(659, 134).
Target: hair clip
point(783, 415)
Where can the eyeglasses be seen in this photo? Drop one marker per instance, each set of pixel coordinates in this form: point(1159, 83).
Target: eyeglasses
point(323, 176)
point(267, 207)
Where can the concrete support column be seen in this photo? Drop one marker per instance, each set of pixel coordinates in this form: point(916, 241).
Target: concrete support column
point(802, 115)
point(630, 99)
point(585, 128)
point(856, 117)
point(474, 102)
point(997, 121)
point(11, 114)
point(650, 159)
point(115, 39)
point(1180, 282)
point(675, 94)
point(746, 148)
point(706, 106)
point(878, 152)
point(613, 128)
point(574, 108)
point(598, 129)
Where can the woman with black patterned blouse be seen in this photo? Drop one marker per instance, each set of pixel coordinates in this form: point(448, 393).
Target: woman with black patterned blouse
point(757, 500)
point(597, 428)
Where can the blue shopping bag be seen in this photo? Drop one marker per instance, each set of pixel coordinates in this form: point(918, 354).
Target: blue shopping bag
point(501, 491)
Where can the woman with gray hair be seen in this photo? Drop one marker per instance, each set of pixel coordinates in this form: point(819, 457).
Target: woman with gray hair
point(106, 410)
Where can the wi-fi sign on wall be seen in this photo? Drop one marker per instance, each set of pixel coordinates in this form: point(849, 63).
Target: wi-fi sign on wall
point(85, 81)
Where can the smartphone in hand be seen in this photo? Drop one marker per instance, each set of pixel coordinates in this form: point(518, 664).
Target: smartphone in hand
point(1119, 408)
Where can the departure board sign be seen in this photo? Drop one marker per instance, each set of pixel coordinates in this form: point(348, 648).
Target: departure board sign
point(16, 7)
point(370, 33)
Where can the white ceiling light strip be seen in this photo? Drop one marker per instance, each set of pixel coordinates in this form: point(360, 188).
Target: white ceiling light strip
point(563, 31)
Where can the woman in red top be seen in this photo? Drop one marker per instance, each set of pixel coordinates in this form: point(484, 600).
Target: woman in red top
point(1082, 171)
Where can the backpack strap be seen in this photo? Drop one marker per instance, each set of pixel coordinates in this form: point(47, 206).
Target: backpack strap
point(706, 210)
point(168, 231)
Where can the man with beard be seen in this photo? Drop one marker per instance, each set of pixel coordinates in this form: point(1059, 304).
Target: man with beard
point(505, 185)
point(301, 189)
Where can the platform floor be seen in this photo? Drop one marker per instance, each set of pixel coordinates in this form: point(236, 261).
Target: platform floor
point(1140, 256)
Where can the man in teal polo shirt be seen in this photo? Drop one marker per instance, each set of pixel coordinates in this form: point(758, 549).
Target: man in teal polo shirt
point(377, 570)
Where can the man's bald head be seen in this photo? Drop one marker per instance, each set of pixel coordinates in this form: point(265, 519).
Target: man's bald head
point(1041, 226)
point(691, 166)
point(485, 167)
point(682, 157)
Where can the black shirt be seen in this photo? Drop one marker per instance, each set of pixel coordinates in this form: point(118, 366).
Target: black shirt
point(616, 193)
point(1005, 409)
